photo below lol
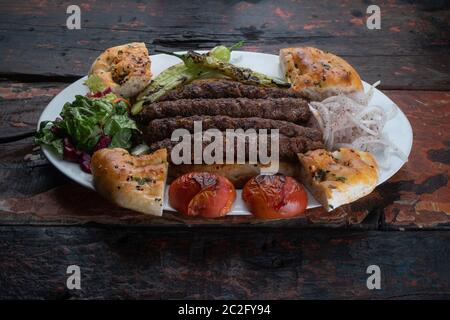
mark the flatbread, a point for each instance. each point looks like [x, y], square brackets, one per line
[339, 177]
[132, 182]
[317, 74]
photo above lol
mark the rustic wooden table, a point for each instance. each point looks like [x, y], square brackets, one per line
[48, 223]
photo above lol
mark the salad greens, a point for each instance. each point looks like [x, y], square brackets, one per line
[47, 137]
[88, 124]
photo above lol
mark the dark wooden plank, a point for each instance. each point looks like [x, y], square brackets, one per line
[218, 264]
[21, 105]
[410, 51]
[23, 176]
[419, 195]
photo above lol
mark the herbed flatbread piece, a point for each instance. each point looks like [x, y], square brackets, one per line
[317, 74]
[339, 177]
[126, 69]
[133, 182]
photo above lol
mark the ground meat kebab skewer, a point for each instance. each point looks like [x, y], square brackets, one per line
[160, 129]
[288, 147]
[221, 88]
[287, 109]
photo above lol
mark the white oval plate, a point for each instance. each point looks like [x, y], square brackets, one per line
[398, 129]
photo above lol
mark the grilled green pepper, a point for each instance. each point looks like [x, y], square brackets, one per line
[196, 60]
[195, 65]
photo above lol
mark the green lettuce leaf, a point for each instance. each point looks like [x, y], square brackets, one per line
[85, 120]
[121, 139]
[118, 122]
[45, 136]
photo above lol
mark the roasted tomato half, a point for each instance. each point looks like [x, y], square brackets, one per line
[274, 196]
[202, 194]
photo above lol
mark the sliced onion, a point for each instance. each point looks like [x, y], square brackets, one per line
[347, 122]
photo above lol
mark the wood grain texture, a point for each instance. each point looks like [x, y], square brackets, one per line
[218, 264]
[21, 105]
[410, 51]
[48, 223]
[71, 204]
[416, 197]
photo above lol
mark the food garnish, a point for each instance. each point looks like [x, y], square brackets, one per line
[202, 194]
[274, 197]
[196, 60]
[86, 125]
[166, 81]
[346, 122]
[204, 62]
[224, 53]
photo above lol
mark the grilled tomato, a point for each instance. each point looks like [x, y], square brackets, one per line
[202, 194]
[274, 196]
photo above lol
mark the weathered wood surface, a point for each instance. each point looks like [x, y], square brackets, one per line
[35, 192]
[41, 211]
[219, 264]
[410, 51]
